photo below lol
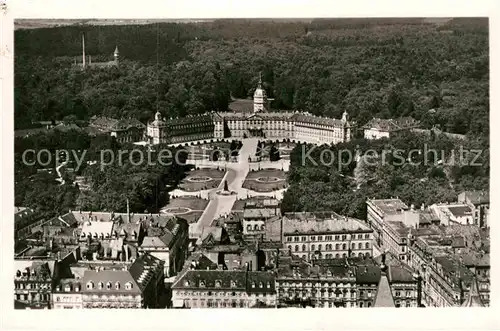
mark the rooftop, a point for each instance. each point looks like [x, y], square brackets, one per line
[390, 125]
[233, 280]
[477, 197]
[132, 278]
[389, 206]
[325, 222]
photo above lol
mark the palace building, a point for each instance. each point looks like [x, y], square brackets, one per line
[261, 122]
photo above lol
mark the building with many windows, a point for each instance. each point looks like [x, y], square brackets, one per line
[479, 203]
[255, 215]
[259, 121]
[138, 285]
[321, 235]
[33, 282]
[389, 219]
[67, 294]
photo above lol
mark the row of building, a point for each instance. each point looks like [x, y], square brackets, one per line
[448, 244]
[258, 257]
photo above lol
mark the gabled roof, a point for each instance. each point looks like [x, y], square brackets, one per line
[473, 298]
[138, 274]
[390, 125]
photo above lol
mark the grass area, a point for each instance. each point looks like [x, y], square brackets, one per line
[266, 180]
[192, 203]
[202, 179]
[196, 205]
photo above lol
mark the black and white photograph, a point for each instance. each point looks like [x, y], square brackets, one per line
[267, 163]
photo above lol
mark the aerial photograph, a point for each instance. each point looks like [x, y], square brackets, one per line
[251, 163]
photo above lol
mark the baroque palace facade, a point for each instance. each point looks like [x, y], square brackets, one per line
[257, 122]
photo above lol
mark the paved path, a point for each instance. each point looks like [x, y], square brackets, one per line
[220, 205]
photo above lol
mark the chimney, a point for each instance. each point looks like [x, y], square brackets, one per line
[126, 253]
[418, 277]
[83, 50]
[128, 210]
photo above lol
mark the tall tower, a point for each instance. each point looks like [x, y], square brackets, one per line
[116, 55]
[83, 50]
[259, 97]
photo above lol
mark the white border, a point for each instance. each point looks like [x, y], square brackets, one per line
[289, 319]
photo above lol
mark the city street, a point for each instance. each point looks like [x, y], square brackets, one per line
[235, 176]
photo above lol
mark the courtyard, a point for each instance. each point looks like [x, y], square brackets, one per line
[202, 179]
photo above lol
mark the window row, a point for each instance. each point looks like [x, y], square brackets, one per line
[109, 285]
[256, 227]
[328, 238]
[329, 247]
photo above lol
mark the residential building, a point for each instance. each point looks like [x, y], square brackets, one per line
[255, 119]
[378, 128]
[24, 220]
[390, 220]
[300, 283]
[321, 235]
[255, 215]
[168, 240]
[454, 213]
[125, 130]
[446, 280]
[67, 294]
[33, 282]
[138, 285]
[223, 289]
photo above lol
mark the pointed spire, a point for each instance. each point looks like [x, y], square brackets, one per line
[116, 51]
[260, 79]
[384, 296]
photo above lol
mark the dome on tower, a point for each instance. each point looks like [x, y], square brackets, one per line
[158, 116]
[259, 92]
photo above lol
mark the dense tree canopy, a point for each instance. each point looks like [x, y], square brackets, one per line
[335, 180]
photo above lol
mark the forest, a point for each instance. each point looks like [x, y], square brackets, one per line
[436, 73]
